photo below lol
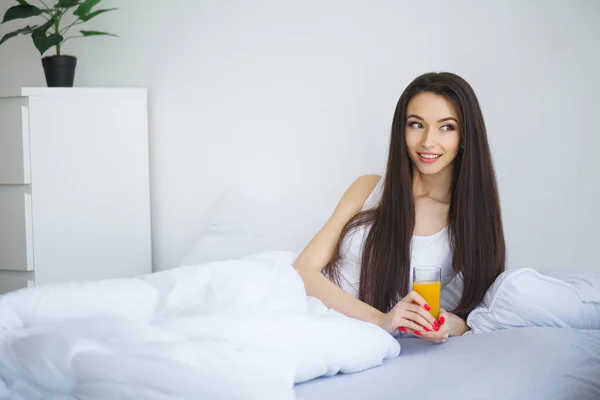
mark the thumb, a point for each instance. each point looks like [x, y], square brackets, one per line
[443, 316]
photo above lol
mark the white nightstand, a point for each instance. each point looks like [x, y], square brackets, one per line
[74, 185]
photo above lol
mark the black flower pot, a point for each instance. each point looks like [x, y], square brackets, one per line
[59, 70]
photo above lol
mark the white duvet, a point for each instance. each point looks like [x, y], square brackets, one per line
[225, 330]
[240, 329]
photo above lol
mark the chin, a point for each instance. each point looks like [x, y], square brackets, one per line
[430, 171]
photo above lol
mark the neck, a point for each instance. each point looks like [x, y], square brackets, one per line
[435, 186]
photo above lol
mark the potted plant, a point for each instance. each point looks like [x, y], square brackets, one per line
[59, 69]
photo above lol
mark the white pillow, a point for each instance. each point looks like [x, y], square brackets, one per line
[251, 219]
[526, 298]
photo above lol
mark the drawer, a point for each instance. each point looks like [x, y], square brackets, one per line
[14, 141]
[10, 281]
[16, 228]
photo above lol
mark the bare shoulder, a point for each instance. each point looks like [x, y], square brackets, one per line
[356, 194]
[365, 184]
[320, 249]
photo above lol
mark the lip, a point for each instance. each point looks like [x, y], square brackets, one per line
[428, 160]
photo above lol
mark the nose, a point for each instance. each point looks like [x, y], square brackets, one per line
[428, 140]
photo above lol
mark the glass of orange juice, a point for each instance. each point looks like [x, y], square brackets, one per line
[427, 281]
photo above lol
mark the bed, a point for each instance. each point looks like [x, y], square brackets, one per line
[234, 322]
[245, 330]
[523, 363]
[507, 356]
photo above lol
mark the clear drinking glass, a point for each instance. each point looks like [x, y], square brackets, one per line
[427, 281]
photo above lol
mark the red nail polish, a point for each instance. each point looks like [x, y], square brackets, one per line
[418, 333]
[436, 328]
[426, 306]
[436, 324]
[442, 320]
[402, 329]
[426, 330]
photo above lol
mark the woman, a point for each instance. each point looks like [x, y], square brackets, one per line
[437, 203]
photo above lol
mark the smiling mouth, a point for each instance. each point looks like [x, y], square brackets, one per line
[428, 157]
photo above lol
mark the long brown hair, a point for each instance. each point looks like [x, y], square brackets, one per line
[474, 219]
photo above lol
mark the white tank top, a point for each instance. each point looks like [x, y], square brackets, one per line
[425, 250]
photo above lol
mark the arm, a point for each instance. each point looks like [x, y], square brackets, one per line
[319, 251]
[410, 313]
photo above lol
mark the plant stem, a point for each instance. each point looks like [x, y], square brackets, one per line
[65, 30]
[72, 37]
[47, 9]
[59, 14]
[57, 30]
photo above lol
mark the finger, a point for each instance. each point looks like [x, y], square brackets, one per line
[434, 336]
[410, 312]
[428, 336]
[442, 333]
[444, 338]
[431, 321]
[443, 316]
[437, 340]
[417, 298]
[441, 341]
[420, 320]
[409, 325]
[417, 332]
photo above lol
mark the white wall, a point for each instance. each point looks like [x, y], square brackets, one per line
[302, 96]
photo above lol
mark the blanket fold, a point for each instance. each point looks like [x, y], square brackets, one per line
[240, 329]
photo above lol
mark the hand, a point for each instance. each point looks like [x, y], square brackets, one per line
[407, 316]
[436, 336]
[450, 325]
[458, 326]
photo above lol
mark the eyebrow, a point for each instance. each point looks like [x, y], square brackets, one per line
[441, 120]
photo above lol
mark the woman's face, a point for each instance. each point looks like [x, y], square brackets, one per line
[432, 133]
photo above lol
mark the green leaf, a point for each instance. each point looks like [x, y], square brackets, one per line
[42, 41]
[21, 11]
[22, 2]
[67, 3]
[86, 7]
[87, 17]
[97, 33]
[27, 29]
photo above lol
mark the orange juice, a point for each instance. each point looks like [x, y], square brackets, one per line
[431, 292]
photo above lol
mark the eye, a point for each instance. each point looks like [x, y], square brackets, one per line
[415, 125]
[448, 128]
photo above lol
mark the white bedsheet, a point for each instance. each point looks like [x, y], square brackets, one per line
[226, 330]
